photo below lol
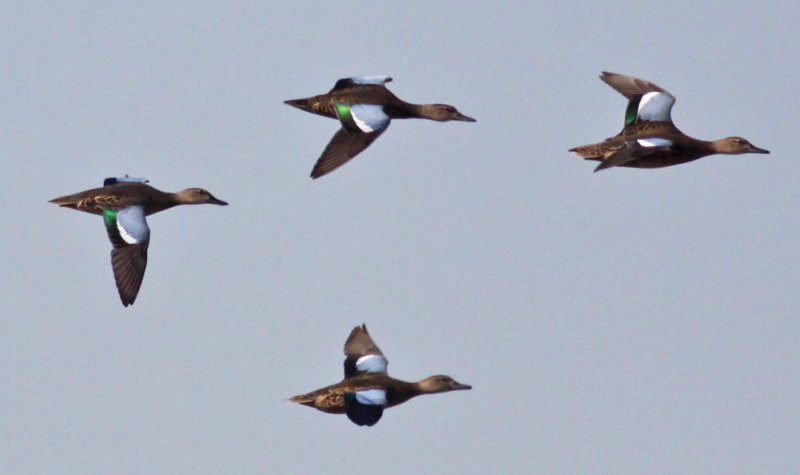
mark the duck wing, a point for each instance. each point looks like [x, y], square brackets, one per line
[647, 102]
[361, 125]
[634, 150]
[345, 83]
[114, 180]
[362, 354]
[129, 235]
[365, 408]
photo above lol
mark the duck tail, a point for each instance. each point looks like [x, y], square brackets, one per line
[302, 104]
[589, 152]
[304, 399]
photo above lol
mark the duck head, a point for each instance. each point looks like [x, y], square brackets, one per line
[440, 384]
[443, 113]
[736, 146]
[197, 196]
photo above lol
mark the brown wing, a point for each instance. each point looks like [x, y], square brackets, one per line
[359, 343]
[626, 154]
[635, 150]
[129, 253]
[362, 354]
[343, 146]
[129, 262]
[649, 129]
[629, 86]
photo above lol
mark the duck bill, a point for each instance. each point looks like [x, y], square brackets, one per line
[464, 118]
[215, 201]
[754, 149]
[462, 386]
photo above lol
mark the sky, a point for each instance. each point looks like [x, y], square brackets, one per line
[629, 321]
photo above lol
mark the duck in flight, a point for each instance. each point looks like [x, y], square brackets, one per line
[648, 138]
[124, 203]
[364, 106]
[367, 389]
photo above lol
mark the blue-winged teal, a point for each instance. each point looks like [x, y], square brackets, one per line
[649, 139]
[366, 388]
[364, 107]
[124, 202]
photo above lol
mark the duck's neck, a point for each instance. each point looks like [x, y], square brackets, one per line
[402, 391]
[407, 110]
[715, 146]
[159, 201]
[700, 148]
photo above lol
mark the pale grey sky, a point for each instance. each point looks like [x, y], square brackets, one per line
[629, 321]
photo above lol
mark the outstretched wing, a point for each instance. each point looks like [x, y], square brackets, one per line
[646, 100]
[363, 355]
[124, 179]
[634, 150]
[129, 235]
[360, 80]
[361, 125]
[365, 408]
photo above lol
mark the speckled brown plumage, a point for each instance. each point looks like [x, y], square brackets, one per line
[349, 142]
[636, 144]
[129, 258]
[333, 399]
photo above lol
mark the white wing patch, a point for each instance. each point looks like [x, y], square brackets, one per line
[132, 179]
[369, 117]
[125, 236]
[132, 226]
[655, 107]
[654, 142]
[379, 80]
[372, 364]
[372, 397]
[362, 125]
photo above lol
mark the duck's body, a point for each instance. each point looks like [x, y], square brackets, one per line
[331, 399]
[124, 203]
[323, 104]
[365, 107]
[366, 388]
[649, 139]
[122, 195]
